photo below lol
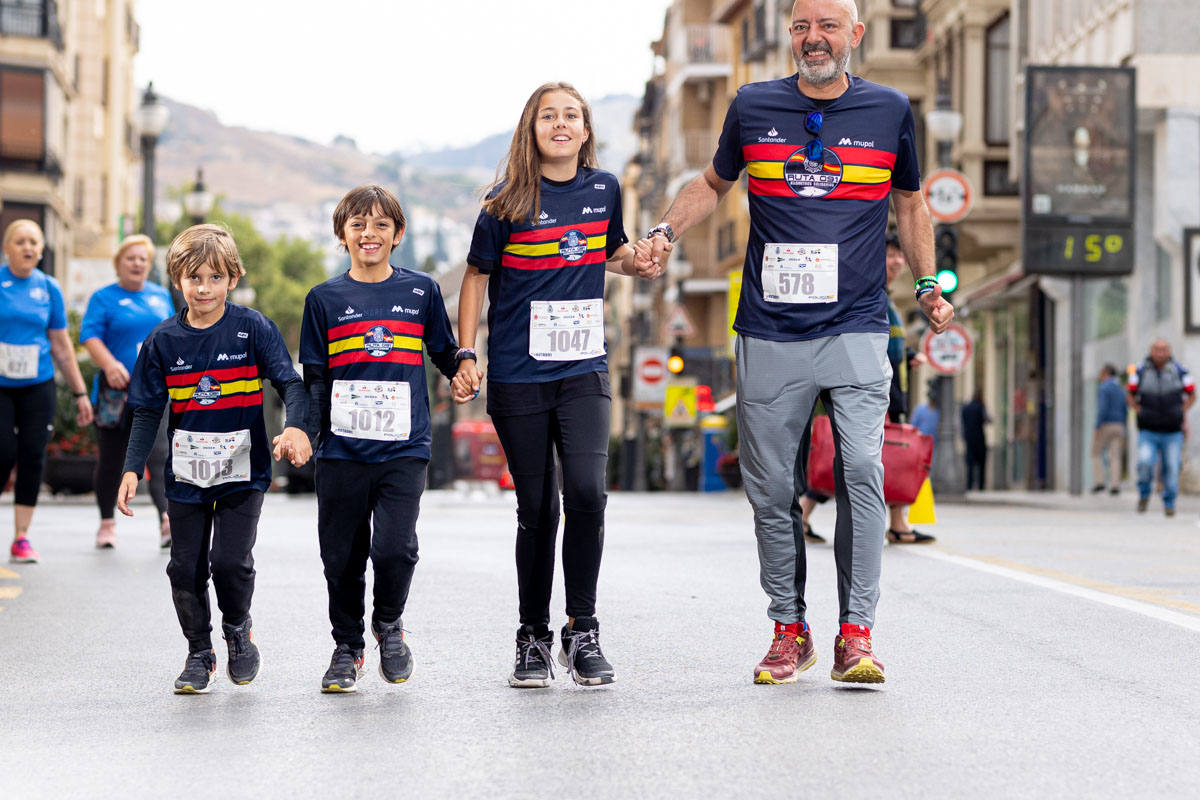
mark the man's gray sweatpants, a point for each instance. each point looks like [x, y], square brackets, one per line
[778, 384]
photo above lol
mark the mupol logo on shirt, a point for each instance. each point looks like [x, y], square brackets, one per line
[225, 357]
[403, 310]
[598, 210]
[848, 142]
[208, 391]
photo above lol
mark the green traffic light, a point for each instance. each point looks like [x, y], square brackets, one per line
[948, 280]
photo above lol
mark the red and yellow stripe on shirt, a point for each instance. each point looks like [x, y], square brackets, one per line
[234, 387]
[542, 248]
[355, 342]
[866, 173]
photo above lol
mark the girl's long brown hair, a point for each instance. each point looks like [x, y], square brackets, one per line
[518, 179]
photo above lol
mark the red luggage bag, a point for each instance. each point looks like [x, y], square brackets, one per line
[907, 454]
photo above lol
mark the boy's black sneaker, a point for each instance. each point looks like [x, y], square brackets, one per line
[344, 669]
[197, 673]
[581, 653]
[244, 659]
[533, 668]
[395, 659]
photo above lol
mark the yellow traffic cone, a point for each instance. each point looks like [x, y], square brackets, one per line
[921, 511]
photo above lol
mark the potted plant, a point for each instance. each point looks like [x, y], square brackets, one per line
[71, 453]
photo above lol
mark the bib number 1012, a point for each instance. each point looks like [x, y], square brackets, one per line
[368, 419]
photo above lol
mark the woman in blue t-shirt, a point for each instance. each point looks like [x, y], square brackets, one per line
[33, 340]
[548, 230]
[119, 316]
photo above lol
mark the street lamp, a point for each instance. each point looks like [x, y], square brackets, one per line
[199, 201]
[944, 124]
[152, 119]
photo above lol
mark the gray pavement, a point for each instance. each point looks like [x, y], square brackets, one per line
[1045, 646]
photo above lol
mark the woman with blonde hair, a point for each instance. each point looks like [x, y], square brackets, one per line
[118, 318]
[33, 341]
[549, 229]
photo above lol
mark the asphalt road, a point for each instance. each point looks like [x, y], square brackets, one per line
[1044, 647]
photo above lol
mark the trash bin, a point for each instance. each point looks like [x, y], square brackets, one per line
[712, 436]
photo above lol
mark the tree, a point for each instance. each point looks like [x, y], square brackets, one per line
[279, 272]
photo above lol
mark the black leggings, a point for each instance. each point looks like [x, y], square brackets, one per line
[217, 537]
[578, 430]
[111, 461]
[26, 418]
[367, 510]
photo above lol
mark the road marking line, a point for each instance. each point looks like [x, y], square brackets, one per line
[8, 573]
[9, 592]
[1108, 594]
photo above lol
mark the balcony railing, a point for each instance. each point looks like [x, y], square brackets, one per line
[698, 148]
[702, 44]
[36, 18]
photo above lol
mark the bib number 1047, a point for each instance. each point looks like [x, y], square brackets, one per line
[567, 341]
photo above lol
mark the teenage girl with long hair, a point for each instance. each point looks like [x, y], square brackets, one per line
[550, 227]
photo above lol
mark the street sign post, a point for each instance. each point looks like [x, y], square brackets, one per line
[948, 194]
[649, 377]
[948, 352]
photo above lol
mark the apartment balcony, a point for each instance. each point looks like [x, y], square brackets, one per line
[699, 52]
[698, 148]
[37, 20]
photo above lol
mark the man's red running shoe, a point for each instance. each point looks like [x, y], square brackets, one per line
[791, 653]
[853, 661]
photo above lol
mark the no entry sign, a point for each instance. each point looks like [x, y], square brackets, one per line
[948, 194]
[949, 351]
[649, 377]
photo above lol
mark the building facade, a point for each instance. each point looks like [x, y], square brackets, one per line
[68, 148]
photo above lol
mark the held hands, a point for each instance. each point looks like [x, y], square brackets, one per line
[937, 309]
[293, 444]
[464, 386]
[650, 256]
[126, 491]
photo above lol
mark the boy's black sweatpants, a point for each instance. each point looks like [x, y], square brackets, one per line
[367, 510]
[218, 536]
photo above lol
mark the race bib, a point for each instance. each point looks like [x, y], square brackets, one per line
[210, 459]
[18, 361]
[379, 410]
[566, 330]
[800, 273]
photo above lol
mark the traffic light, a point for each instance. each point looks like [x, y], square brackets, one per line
[946, 245]
[675, 360]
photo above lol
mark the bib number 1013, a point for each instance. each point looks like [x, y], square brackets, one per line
[205, 470]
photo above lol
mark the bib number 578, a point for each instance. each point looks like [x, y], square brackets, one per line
[804, 283]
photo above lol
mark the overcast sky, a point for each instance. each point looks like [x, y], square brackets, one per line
[392, 74]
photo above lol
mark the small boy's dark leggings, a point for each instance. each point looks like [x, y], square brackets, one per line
[367, 510]
[231, 526]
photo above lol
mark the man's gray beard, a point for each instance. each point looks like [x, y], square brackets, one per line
[818, 77]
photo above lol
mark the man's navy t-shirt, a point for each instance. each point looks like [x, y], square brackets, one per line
[869, 148]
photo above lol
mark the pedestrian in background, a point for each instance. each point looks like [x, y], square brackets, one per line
[974, 417]
[361, 346]
[206, 366]
[1108, 440]
[549, 229]
[118, 318]
[812, 316]
[1160, 392]
[33, 340]
[926, 416]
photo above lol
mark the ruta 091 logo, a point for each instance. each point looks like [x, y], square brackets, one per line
[378, 341]
[572, 246]
[810, 177]
[208, 391]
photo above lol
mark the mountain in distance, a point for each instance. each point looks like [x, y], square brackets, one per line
[289, 185]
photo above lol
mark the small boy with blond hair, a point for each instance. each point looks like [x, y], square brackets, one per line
[206, 365]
